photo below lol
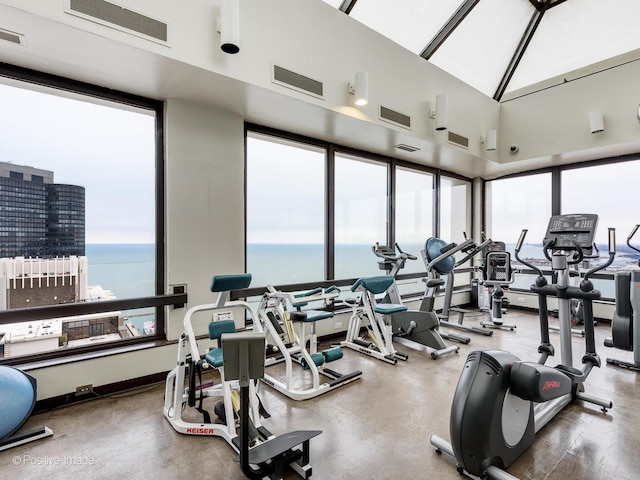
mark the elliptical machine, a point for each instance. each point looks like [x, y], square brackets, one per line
[625, 325]
[413, 328]
[500, 401]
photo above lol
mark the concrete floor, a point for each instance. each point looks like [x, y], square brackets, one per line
[377, 427]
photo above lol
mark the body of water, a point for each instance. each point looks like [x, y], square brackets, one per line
[128, 270]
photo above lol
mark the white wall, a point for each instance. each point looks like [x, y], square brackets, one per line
[552, 122]
[308, 37]
[205, 200]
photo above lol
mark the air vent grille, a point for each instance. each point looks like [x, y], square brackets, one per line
[110, 14]
[8, 36]
[296, 81]
[406, 148]
[393, 116]
[457, 139]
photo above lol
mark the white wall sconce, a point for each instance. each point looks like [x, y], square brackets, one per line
[596, 121]
[440, 112]
[229, 26]
[490, 141]
[360, 88]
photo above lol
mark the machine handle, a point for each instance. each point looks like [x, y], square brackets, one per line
[406, 255]
[523, 234]
[612, 255]
[521, 240]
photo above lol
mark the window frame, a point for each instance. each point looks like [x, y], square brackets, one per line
[556, 198]
[392, 163]
[160, 300]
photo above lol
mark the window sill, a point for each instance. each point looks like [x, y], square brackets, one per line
[83, 356]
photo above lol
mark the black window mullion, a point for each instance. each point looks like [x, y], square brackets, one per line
[330, 224]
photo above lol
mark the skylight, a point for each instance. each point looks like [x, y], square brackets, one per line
[500, 46]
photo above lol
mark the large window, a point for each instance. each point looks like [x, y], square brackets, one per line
[315, 210]
[455, 217]
[606, 190]
[78, 210]
[455, 209]
[285, 211]
[514, 204]
[360, 215]
[413, 213]
[518, 203]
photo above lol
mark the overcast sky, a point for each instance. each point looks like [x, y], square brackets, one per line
[109, 151]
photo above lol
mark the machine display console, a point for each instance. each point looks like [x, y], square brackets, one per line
[567, 229]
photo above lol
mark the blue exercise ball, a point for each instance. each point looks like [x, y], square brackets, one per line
[433, 247]
[17, 399]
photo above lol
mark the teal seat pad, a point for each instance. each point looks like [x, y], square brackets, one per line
[374, 285]
[389, 308]
[214, 357]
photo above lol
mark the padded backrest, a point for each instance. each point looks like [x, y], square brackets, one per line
[216, 329]
[433, 248]
[225, 283]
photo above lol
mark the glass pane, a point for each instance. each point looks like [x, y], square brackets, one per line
[285, 211]
[414, 214]
[517, 203]
[360, 215]
[455, 209]
[573, 35]
[481, 47]
[73, 227]
[605, 190]
[410, 23]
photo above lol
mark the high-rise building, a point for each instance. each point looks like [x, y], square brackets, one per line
[39, 218]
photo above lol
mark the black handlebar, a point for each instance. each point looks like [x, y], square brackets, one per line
[406, 255]
[387, 256]
[577, 256]
[521, 240]
[633, 232]
[523, 234]
[612, 255]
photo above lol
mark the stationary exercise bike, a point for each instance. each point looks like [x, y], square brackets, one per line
[625, 325]
[500, 401]
[439, 261]
[413, 328]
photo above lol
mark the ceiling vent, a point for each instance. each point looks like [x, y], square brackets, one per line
[458, 140]
[397, 118]
[406, 148]
[12, 37]
[120, 18]
[290, 79]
